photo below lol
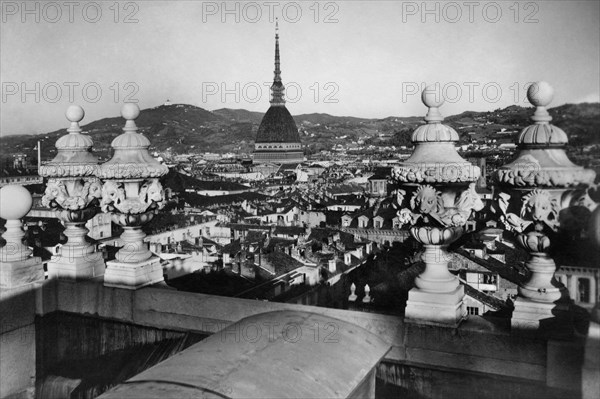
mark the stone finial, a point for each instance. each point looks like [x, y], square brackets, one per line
[352, 297]
[131, 159]
[130, 112]
[73, 158]
[367, 298]
[541, 133]
[540, 95]
[74, 140]
[542, 160]
[15, 202]
[433, 99]
[434, 130]
[75, 115]
[17, 266]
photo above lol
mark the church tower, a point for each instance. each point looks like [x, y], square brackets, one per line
[277, 139]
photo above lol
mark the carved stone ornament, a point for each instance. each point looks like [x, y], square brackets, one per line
[436, 197]
[542, 161]
[74, 192]
[432, 173]
[151, 197]
[133, 194]
[82, 194]
[131, 159]
[73, 158]
[541, 192]
[428, 206]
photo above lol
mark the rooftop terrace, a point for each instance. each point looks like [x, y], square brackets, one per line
[266, 349]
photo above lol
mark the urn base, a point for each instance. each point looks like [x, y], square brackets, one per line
[445, 308]
[132, 276]
[65, 268]
[540, 317]
[17, 273]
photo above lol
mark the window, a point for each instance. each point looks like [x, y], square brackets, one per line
[472, 310]
[489, 279]
[583, 290]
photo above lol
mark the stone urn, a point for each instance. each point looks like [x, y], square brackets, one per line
[436, 197]
[132, 194]
[74, 192]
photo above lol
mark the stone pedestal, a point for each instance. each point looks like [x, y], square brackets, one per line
[555, 318]
[445, 308]
[438, 296]
[77, 259]
[76, 268]
[17, 273]
[133, 275]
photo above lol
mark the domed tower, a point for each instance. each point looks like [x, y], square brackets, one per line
[277, 139]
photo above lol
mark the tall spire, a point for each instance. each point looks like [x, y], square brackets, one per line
[277, 88]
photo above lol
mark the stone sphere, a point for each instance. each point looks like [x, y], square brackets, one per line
[540, 94]
[432, 96]
[15, 202]
[130, 111]
[75, 113]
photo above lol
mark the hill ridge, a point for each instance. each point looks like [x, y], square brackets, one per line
[184, 128]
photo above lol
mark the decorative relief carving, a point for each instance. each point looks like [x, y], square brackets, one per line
[426, 200]
[131, 170]
[436, 173]
[511, 221]
[529, 177]
[80, 196]
[152, 193]
[150, 197]
[540, 206]
[67, 170]
[426, 205]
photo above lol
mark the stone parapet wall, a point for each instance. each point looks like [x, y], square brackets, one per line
[477, 346]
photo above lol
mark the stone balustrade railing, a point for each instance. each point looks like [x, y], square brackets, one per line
[127, 186]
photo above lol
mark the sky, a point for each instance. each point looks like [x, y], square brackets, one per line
[346, 58]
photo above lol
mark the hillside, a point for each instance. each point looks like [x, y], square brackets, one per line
[181, 128]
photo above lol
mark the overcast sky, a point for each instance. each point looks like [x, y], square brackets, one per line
[356, 58]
